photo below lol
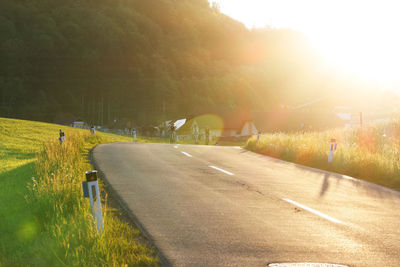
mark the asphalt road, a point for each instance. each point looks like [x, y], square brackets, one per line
[225, 206]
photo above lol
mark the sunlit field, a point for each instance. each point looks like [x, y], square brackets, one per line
[371, 153]
[46, 221]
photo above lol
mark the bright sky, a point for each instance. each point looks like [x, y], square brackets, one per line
[357, 36]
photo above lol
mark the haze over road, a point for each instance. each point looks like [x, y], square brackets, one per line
[225, 206]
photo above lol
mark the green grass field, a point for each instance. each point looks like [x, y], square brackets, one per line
[46, 221]
[371, 153]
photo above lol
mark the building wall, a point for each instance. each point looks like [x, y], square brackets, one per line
[248, 129]
[79, 124]
[214, 134]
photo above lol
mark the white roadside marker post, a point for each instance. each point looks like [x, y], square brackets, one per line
[332, 149]
[92, 130]
[62, 137]
[91, 190]
[134, 135]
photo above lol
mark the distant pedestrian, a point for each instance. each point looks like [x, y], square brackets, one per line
[62, 137]
[258, 136]
[134, 135]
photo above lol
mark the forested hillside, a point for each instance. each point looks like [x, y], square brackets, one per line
[144, 60]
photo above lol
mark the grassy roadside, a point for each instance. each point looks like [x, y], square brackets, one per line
[47, 222]
[371, 153]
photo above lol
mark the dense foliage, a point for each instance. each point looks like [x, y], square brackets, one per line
[144, 60]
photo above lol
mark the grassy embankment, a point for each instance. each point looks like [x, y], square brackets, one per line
[371, 153]
[47, 222]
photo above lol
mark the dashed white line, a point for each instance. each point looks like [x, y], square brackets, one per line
[221, 170]
[327, 217]
[187, 154]
[175, 146]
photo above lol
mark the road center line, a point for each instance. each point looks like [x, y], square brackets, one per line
[221, 170]
[187, 154]
[175, 146]
[327, 217]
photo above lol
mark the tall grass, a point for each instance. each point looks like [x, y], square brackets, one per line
[46, 221]
[371, 153]
[65, 214]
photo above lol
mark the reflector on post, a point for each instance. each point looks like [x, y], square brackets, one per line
[332, 149]
[92, 188]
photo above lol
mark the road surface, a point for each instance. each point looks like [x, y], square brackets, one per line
[225, 206]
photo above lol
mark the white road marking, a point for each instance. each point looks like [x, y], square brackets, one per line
[187, 154]
[175, 146]
[327, 217]
[221, 170]
[304, 264]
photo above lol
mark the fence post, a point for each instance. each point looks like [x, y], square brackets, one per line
[332, 149]
[91, 190]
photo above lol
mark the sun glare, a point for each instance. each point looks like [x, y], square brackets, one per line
[360, 37]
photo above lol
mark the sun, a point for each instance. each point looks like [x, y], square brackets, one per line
[360, 37]
[362, 40]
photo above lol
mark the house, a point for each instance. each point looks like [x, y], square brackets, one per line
[238, 124]
[179, 123]
[198, 125]
[228, 124]
[165, 127]
[79, 124]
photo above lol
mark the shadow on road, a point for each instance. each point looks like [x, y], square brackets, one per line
[325, 185]
[368, 188]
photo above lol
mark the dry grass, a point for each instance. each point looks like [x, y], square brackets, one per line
[371, 153]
